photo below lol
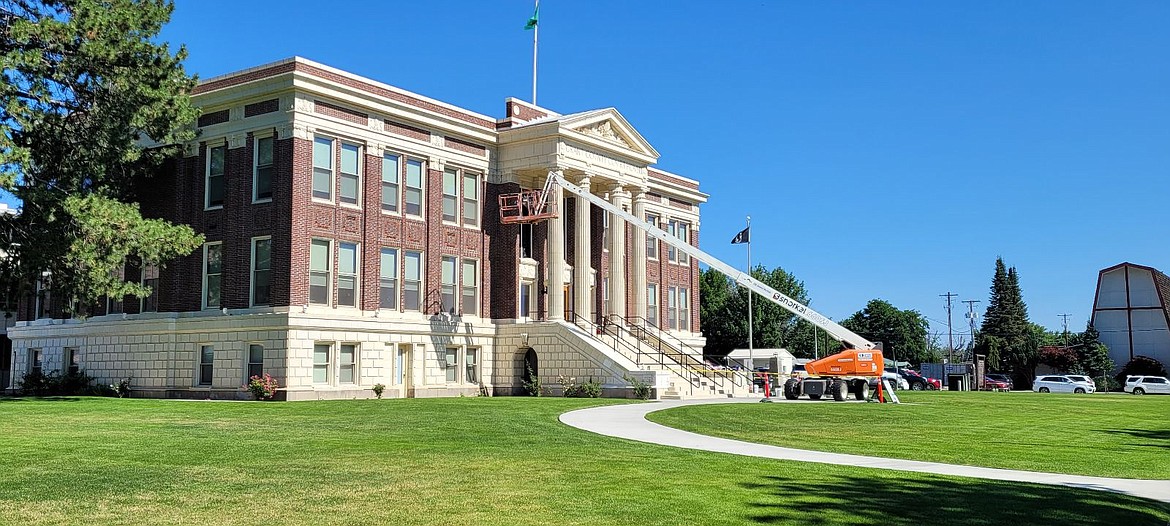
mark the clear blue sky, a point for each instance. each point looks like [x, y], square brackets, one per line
[883, 149]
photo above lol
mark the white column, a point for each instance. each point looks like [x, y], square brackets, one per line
[555, 266]
[582, 256]
[638, 257]
[617, 254]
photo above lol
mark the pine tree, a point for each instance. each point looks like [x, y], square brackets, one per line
[1006, 337]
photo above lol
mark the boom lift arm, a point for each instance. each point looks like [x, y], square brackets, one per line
[850, 338]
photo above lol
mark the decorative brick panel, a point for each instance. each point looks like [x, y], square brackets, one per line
[345, 114]
[260, 108]
[406, 131]
[236, 80]
[655, 174]
[215, 117]
[464, 146]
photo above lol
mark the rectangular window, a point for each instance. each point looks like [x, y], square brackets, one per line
[321, 363]
[347, 369]
[262, 170]
[215, 170]
[447, 284]
[323, 168]
[525, 299]
[451, 363]
[388, 280]
[450, 194]
[347, 279]
[72, 360]
[206, 361]
[651, 242]
[671, 307]
[212, 271]
[605, 308]
[680, 230]
[471, 366]
[606, 232]
[470, 288]
[351, 180]
[391, 170]
[412, 281]
[652, 304]
[255, 360]
[414, 187]
[114, 305]
[526, 240]
[684, 310]
[261, 270]
[470, 199]
[150, 280]
[35, 361]
[319, 275]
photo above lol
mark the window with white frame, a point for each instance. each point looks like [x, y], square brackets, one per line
[350, 174]
[206, 364]
[36, 361]
[323, 168]
[526, 288]
[114, 303]
[72, 360]
[470, 289]
[347, 277]
[255, 360]
[651, 241]
[319, 272]
[212, 274]
[450, 195]
[321, 372]
[391, 171]
[451, 364]
[261, 270]
[262, 169]
[412, 281]
[470, 199]
[388, 279]
[447, 284]
[681, 230]
[606, 232]
[471, 365]
[652, 304]
[150, 281]
[214, 180]
[414, 188]
[347, 363]
[671, 307]
[684, 310]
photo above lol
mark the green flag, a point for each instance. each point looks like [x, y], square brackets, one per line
[532, 21]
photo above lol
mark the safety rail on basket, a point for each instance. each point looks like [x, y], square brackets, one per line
[528, 206]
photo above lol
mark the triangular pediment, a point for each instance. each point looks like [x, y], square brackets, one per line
[608, 126]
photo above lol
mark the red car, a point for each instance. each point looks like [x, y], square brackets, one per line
[991, 384]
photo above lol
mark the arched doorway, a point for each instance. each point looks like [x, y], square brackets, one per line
[530, 367]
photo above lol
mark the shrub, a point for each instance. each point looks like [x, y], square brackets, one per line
[122, 388]
[40, 384]
[378, 389]
[570, 388]
[262, 387]
[641, 389]
[36, 383]
[1106, 383]
[1141, 366]
[532, 383]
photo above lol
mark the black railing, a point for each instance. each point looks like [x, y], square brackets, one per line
[633, 351]
[679, 351]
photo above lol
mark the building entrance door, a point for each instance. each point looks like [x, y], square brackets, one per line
[402, 369]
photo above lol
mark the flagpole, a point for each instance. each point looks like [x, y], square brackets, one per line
[535, 35]
[751, 349]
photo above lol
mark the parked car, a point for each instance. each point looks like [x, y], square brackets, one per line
[895, 380]
[1061, 384]
[1081, 378]
[1140, 385]
[917, 382]
[1000, 378]
[992, 384]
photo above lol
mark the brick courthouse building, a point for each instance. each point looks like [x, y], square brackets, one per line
[353, 237]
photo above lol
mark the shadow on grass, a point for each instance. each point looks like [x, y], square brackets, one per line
[930, 500]
[39, 399]
[1154, 435]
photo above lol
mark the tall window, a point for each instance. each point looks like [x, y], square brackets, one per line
[350, 174]
[35, 361]
[323, 168]
[450, 194]
[684, 310]
[262, 170]
[72, 360]
[412, 281]
[414, 187]
[255, 360]
[526, 240]
[447, 284]
[671, 307]
[605, 307]
[451, 363]
[215, 169]
[470, 199]
[470, 288]
[526, 299]
[261, 270]
[319, 276]
[388, 280]
[391, 170]
[471, 366]
[652, 304]
[347, 255]
[150, 280]
[347, 368]
[321, 363]
[114, 304]
[206, 361]
[651, 242]
[212, 271]
[680, 230]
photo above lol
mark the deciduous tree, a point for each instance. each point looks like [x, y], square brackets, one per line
[901, 331]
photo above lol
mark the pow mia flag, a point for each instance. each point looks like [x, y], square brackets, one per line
[744, 236]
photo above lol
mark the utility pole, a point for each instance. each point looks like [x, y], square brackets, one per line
[950, 331]
[971, 317]
[1065, 318]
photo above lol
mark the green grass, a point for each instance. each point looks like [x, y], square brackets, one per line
[476, 461]
[1105, 435]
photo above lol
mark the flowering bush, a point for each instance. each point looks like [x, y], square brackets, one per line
[262, 387]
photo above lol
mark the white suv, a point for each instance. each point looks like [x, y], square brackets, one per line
[1061, 384]
[1140, 385]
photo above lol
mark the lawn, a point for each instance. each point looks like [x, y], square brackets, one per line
[454, 461]
[1106, 435]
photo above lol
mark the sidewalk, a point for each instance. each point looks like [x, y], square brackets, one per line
[629, 421]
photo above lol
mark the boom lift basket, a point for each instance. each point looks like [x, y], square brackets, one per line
[529, 206]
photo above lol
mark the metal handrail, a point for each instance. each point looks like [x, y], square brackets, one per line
[677, 347]
[661, 359]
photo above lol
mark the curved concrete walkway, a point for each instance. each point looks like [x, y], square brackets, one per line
[629, 421]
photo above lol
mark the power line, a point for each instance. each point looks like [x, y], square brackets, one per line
[950, 330]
